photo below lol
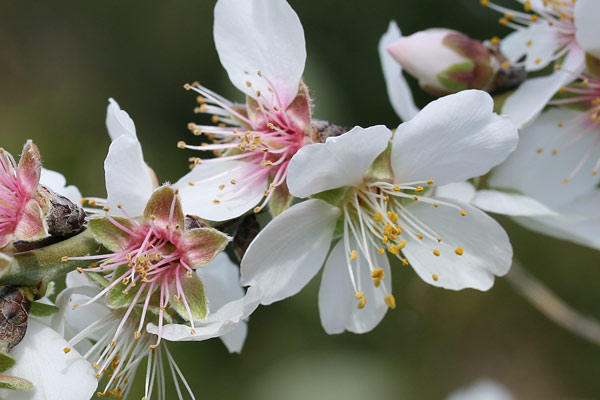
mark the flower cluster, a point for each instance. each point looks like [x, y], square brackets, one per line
[146, 264]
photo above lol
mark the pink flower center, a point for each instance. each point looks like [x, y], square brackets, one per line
[262, 134]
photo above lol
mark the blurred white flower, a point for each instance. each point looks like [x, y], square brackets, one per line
[377, 198]
[483, 389]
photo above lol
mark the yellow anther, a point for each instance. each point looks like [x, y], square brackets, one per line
[378, 273]
[386, 198]
[503, 21]
[181, 144]
[353, 255]
[217, 201]
[540, 150]
[594, 172]
[360, 296]
[200, 100]
[64, 259]
[381, 250]
[405, 262]
[534, 18]
[392, 216]
[419, 188]
[529, 43]
[459, 251]
[560, 124]
[248, 83]
[527, 5]
[538, 60]
[420, 236]
[215, 119]
[435, 277]
[233, 181]
[401, 244]
[396, 188]
[495, 40]
[385, 239]
[187, 86]
[463, 212]
[75, 306]
[554, 152]
[439, 239]
[506, 64]
[80, 270]
[137, 334]
[67, 350]
[430, 182]
[221, 187]
[377, 217]
[485, 2]
[113, 344]
[436, 205]
[257, 210]
[565, 181]
[436, 252]
[390, 300]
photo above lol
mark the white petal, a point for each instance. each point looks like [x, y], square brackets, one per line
[128, 178]
[528, 101]
[538, 43]
[398, 90]
[221, 279]
[540, 175]
[461, 191]
[509, 204]
[56, 375]
[118, 121]
[337, 306]
[578, 222]
[265, 36]
[452, 139]
[225, 320]
[207, 200]
[290, 250]
[486, 249]
[587, 15]
[340, 161]
[57, 182]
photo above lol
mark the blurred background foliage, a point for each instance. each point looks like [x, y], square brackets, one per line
[62, 60]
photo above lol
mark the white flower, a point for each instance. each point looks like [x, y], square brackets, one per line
[379, 200]
[261, 45]
[549, 184]
[545, 33]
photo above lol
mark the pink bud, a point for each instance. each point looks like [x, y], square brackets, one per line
[444, 61]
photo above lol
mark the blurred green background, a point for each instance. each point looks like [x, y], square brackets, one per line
[62, 60]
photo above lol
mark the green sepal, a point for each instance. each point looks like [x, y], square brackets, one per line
[280, 200]
[193, 288]
[42, 309]
[381, 169]
[6, 361]
[449, 78]
[15, 383]
[109, 235]
[97, 280]
[500, 99]
[335, 197]
[116, 298]
[593, 65]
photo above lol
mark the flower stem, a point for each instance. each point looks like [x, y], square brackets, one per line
[552, 306]
[40, 266]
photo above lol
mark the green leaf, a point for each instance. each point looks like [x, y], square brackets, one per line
[42, 309]
[15, 383]
[193, 289]
[6, 361]
[112, 237]
[117, 298]
[280, 200]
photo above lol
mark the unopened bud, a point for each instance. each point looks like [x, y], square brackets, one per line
[444, 61]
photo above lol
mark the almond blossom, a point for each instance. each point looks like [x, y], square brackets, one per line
[261, 45]
[22, 215]
[377, 198]
[547, 32]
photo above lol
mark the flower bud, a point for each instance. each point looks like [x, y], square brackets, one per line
[444, 61]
